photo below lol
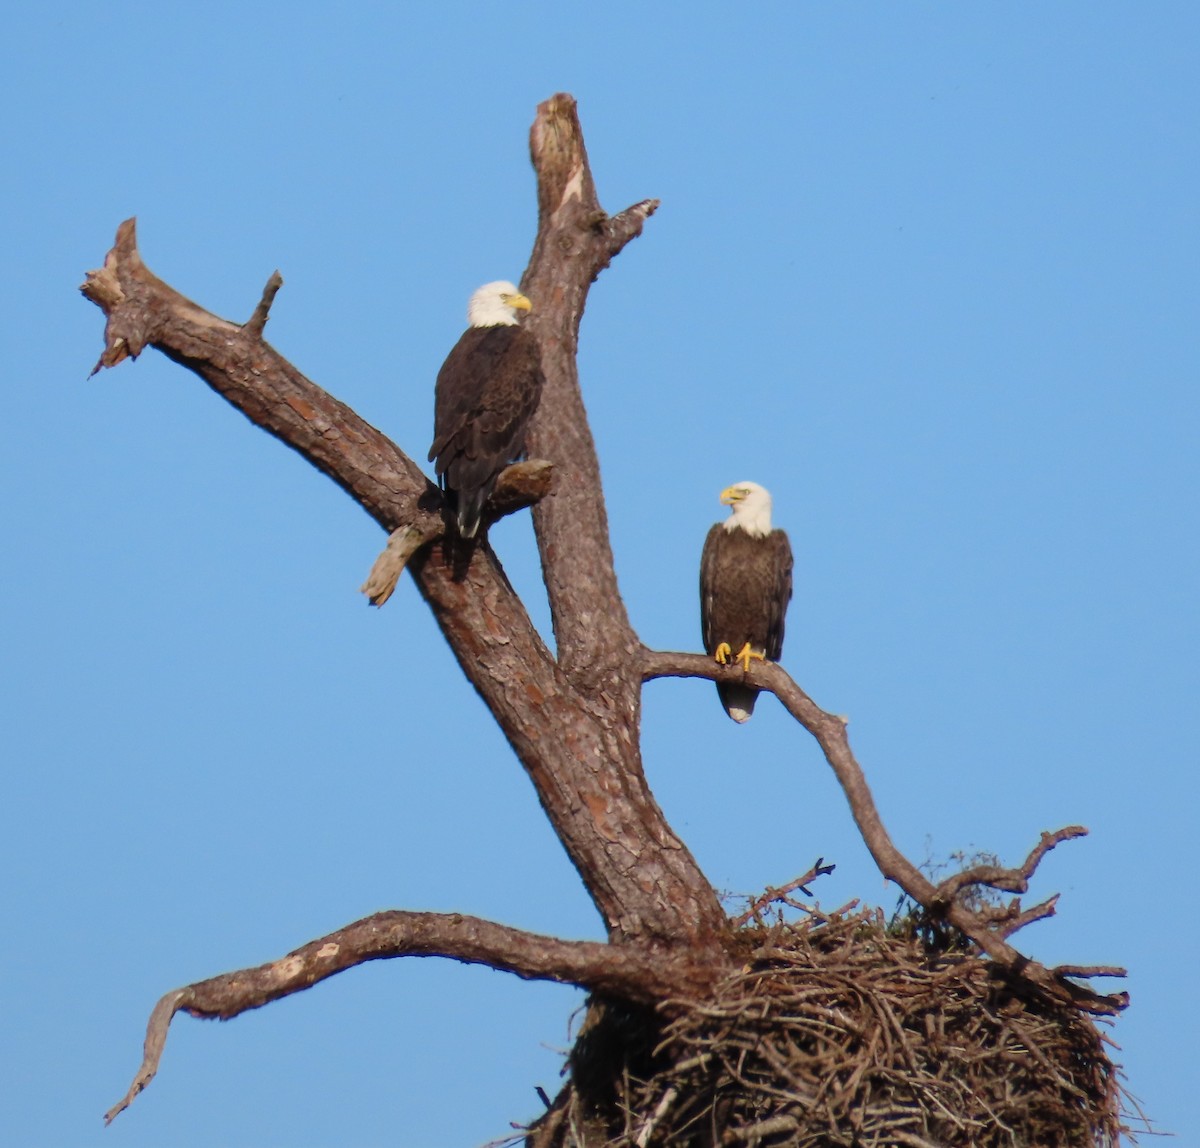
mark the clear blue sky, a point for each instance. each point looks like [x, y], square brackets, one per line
[928, 272]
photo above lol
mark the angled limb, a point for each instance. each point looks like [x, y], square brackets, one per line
[142, 311]
[633, 974]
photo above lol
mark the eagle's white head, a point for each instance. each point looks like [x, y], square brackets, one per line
[496, 305]
[751, 506]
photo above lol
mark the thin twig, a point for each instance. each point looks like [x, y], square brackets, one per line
[819, 869]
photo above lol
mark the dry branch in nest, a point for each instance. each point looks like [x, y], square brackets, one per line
[845, 1033]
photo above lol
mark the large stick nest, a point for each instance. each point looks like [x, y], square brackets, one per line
[844, 1032]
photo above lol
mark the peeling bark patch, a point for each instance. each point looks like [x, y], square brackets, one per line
[574, 188]
[534, 694]
[304, 409]
[328, 951]
[598, 806]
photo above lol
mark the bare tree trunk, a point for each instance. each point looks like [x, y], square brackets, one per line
[574, 720]
[572, 717]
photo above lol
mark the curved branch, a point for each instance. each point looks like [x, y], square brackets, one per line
[1008, 880]
[830, 733]
[643, 975]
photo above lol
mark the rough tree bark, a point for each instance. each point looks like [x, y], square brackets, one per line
[572, 717]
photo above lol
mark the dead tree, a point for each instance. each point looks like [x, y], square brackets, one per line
[673, 956]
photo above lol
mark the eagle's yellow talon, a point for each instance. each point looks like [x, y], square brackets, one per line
[745, 654]
[723, 653]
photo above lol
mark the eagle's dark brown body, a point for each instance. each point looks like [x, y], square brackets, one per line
[745, 586]
[487, 390]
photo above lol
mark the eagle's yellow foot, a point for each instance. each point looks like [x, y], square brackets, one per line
[723, 653]
[745, 654]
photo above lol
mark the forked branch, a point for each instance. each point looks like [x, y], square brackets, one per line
[986, 930]
[1007, 880]
[142, 311]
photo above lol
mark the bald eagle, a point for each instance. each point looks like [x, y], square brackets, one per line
[745, 586]
[487, 390]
